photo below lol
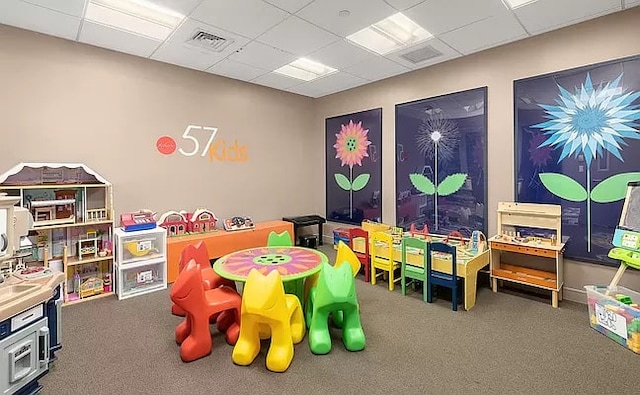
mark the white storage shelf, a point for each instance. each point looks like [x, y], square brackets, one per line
[140, 245]
[141, 261]
[141, 278]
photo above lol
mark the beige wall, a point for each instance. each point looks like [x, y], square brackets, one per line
[62, 101]
[606, 38]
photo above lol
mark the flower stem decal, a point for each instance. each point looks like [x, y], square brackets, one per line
[351, 147]
[588, 122]
[437, 138]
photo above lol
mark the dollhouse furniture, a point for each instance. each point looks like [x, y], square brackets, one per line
[210, 280]
[306, 220]
[382, 257]
[512, 252]
[141, 261]
[413, 273]
[264, 304]
[447, 279]
[222, 243]
[67, 201]
[335, 293]
[200, 304]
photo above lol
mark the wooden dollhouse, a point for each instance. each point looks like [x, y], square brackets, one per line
[72, 206]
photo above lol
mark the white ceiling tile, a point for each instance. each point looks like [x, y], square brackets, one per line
[363, 13]
[291, 6]
[184, 7]
[484, 34]
[239, 71]
[335, 82]
[178, 51]
[249, 18]
[545, 15]
[31, 17]
[401, 5]
[117, 40]
[297, 36]
[71, 7]
[275, 80]
[435, 44]
[340, 54]
[376, 68]
[441, 16]
[264, 56]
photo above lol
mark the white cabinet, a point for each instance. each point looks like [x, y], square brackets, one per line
[141, 261]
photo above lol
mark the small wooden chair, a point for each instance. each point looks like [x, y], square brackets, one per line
[441, 278]
[363, 257]
[414, 272]
[383, 260]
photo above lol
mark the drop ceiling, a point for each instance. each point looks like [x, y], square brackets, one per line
[263, 35]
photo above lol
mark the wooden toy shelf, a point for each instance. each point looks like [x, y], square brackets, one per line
[550, 251]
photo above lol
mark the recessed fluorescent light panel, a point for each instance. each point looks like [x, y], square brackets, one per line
[513, 4]
[305, 69]
[135, 16]
[390, 34]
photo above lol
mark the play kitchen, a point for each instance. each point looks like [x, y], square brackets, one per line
[29, 307]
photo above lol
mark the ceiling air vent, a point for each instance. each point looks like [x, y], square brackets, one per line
[209, 41]
[421, 54]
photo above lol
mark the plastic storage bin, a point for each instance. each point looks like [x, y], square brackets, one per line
[615, 312]
[139, 245]
[142, 278]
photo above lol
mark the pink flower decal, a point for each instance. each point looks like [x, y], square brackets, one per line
[352, 144]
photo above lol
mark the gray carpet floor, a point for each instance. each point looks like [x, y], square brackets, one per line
[507, 344]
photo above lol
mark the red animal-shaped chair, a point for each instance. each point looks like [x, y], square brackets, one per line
[200, 304]
[210, 279]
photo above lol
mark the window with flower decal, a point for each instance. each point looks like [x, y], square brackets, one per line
[354, 167]
[577, 135]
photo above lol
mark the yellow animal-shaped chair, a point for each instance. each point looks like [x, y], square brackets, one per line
[266, 306]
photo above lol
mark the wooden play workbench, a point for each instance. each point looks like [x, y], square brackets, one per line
[221, 242]
[512, 216]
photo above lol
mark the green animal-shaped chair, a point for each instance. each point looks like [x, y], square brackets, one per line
[335, 294]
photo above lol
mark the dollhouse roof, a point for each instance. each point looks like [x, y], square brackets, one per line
[27, 173]
[166, 215]
[200, 211]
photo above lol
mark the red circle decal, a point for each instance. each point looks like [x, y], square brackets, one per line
[166, 145]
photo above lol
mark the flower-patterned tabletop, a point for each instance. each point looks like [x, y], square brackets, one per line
[292, 262]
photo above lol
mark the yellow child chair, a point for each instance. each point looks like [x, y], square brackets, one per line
[266, 306]
[382, 257]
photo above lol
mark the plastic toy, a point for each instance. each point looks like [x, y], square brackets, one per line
[334, 292]
[200, 305]
[179, 223]
[264, 303]
[141, 220]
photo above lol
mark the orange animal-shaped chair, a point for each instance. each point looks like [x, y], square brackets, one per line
[200, 304]
[210, 279]
[266, 306]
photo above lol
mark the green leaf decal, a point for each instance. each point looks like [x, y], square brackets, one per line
[343, 181]
[564, 187]
[360, 181]
[451, 184]
[613, 188]
[422, 183]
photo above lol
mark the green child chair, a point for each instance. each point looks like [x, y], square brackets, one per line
[279, 239]
[414, 245]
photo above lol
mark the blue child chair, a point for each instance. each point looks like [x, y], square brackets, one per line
[449, 280]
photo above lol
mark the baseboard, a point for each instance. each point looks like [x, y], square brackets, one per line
[574, 295]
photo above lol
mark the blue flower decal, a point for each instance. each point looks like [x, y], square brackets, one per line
[591, 120]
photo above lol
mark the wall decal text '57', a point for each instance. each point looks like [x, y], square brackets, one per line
[218, 150]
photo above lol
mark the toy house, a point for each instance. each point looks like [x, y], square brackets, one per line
[174, 222]
[201, 220]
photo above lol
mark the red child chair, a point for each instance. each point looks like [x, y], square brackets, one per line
[200, 305]
[211, 280]
[363, 257]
